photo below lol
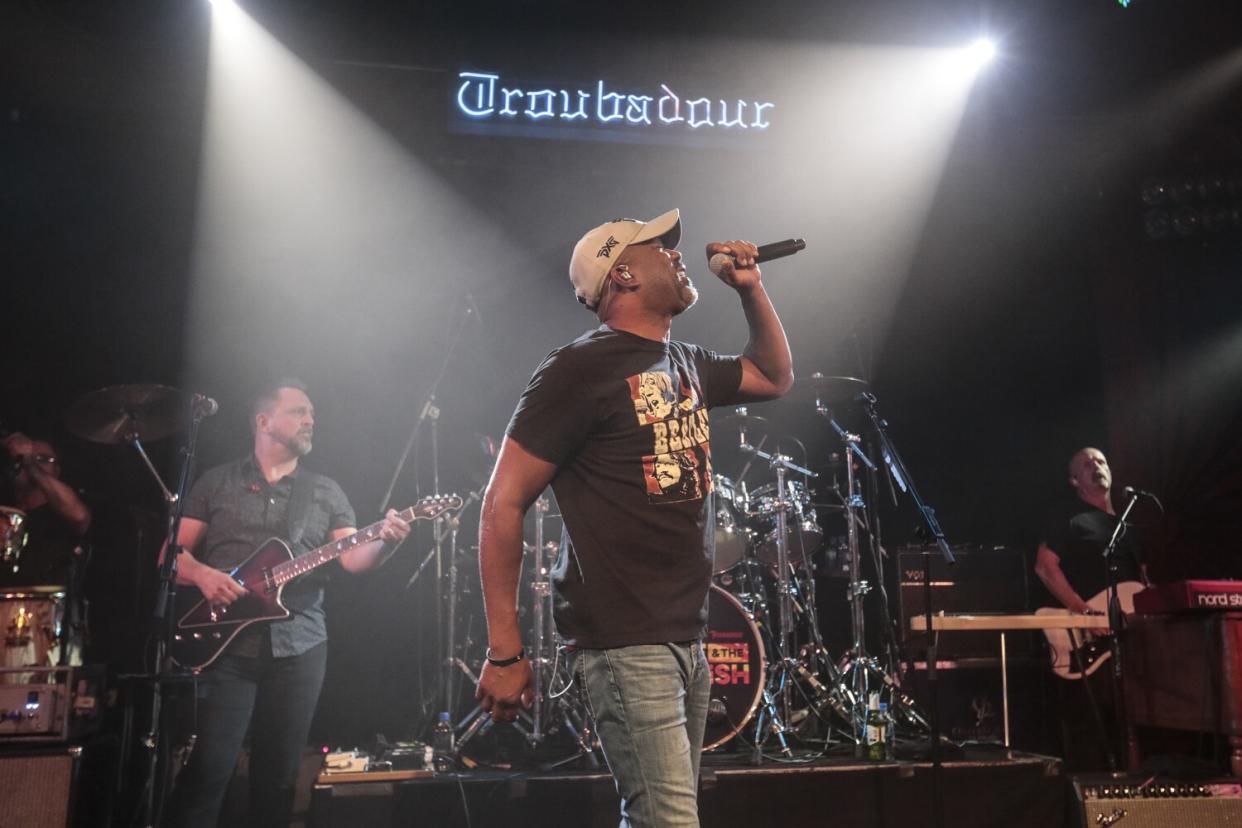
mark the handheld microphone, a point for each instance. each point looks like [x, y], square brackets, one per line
[766, 252]
[1133, 492]
[205, 406]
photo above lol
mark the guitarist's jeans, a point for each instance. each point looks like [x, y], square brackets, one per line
[280, 694]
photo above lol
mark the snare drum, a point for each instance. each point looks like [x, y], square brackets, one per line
[31, 619]
[732, 534]
[803, 533]
[12, 536]
[736, 659]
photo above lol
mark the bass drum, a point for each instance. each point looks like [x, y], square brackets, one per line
[737, 662]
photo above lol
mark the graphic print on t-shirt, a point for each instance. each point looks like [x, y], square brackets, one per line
[680, 465]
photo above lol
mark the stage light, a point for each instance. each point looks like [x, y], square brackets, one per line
[981, 52]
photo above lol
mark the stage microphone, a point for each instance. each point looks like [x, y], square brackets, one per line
[766, 253]
[205, 406]
[716, 711]
[1133, 492]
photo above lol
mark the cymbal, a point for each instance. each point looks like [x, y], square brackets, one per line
[830, 389]
[118, 412]
[739, 420]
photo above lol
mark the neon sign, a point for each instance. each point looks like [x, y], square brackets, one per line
[483, 97]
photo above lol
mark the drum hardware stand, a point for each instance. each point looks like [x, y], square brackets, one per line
[935, 534]
[858, 666]
[546, 668]
[777, 695]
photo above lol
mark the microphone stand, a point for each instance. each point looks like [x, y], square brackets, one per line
[898, 468]
[446, 634]
[1114, 625]
[164, 621]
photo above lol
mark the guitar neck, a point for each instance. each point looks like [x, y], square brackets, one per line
[284, 572]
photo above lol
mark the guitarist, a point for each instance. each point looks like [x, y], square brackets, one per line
[274, 671]
[1070, 562]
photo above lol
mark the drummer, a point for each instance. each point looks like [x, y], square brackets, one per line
[54, 519]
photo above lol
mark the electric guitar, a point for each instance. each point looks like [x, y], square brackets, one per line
[1079, 653]
[204, 630]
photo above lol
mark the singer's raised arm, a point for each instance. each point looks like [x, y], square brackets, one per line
[767, 365]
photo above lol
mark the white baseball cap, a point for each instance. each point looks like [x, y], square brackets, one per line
[597, 251]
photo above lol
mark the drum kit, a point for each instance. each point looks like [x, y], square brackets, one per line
[774, 682]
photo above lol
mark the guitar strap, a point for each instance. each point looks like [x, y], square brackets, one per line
[299, 504]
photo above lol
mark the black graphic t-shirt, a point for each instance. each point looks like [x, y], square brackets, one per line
[625, 420]
[1079, 532]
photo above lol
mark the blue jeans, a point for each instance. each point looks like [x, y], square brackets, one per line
[279, 696]
[650, 707]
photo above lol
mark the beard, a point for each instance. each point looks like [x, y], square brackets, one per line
[688, 294]
[300, 443]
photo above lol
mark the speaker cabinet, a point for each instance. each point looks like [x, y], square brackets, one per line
[1139, 802]
[982, 581]
[65, 786]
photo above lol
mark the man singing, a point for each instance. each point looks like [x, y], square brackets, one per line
[616, 421]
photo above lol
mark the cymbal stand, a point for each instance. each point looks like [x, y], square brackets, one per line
[546, 668]
[859, 665]
[778, 694]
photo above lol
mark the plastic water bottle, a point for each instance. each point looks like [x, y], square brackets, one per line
[442, 742]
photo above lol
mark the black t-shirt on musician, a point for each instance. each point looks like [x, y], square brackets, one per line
[1079, 532]
[624, 419]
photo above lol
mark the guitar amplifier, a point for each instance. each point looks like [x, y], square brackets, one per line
[984, 580]
[1138, 802]
[61, 786]
[52, 704]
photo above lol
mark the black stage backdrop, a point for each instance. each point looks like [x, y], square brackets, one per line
[990, 278]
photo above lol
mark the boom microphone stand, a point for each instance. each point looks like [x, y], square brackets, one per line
[164, 621]
[444, 526]
[1115, 625]
[898, 468]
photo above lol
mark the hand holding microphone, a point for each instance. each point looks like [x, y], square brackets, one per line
[735, 262]
[721, 257]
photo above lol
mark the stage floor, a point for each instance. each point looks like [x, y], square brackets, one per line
[982, 786]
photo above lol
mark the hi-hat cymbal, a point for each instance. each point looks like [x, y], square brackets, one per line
[120, 412]
[830, 389]
[739, 419]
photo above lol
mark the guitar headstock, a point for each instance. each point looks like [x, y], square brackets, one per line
[432, 506]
